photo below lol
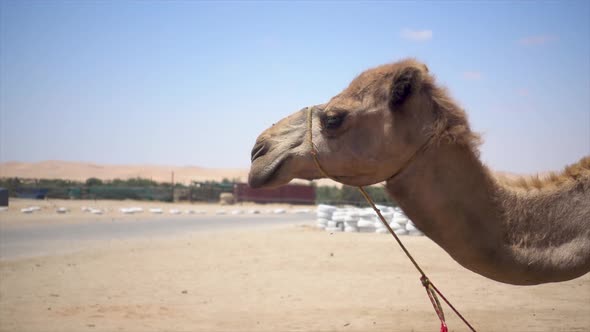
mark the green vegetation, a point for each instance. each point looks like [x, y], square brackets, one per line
[134, 188]
[351, 195]
[146, 189]
[92, 188]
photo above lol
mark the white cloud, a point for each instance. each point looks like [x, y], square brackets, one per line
[472, 75]
[537, 40]
[416, 35]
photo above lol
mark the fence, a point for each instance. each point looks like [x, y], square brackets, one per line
[141, 189]
[117, 189]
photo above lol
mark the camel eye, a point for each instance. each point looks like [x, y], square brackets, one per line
[333, 121]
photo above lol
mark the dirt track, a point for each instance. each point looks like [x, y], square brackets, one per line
[287, 279]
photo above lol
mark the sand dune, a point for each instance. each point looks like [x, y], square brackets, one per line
[80, 171]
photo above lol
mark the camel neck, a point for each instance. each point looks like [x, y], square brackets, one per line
[455, 201]
[448, 194]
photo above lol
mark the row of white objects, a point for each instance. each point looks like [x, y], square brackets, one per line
[134, 210]
[268, 211]
[353, 219]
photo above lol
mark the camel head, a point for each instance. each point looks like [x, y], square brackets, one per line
[363, 135]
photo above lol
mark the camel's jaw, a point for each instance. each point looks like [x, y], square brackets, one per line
[279, 168]
[280, 153]
[268, 172]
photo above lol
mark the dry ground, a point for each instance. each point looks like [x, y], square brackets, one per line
[279, 279]
[111, 208]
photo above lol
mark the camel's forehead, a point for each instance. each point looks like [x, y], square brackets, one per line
[382, 75]
[372, 78]
[373, 84]
[368, 84]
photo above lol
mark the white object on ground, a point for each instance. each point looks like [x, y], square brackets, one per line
[175, 211]
[410, 227]
[366, 222]
[279, 211]
[395, 226]
[325, 215]
[400, 231]
[350, 229]
[95, 211]
[62, 210]
[26, 210]
[236, 212]
[333, 229]
[351, 219]
[388, 216]
[131, 210]
[326, 208]
[339, 216]
[156, 210]
[254, 211]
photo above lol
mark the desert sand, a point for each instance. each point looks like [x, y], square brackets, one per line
[111, 210]
[288, 278]
[81, 171]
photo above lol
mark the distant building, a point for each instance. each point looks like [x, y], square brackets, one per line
[3, 197]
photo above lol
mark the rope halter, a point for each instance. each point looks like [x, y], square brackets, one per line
[431, 289]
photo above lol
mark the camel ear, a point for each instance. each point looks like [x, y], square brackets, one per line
[404, 84]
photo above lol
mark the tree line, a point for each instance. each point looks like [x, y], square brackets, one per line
[147, 189]
[351, 195]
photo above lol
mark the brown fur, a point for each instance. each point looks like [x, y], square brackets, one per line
[402, 127]
[572, 173]
[451, 123]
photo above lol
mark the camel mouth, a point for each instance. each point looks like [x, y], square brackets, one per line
[266, 175]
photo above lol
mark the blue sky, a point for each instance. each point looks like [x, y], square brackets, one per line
[194, 83]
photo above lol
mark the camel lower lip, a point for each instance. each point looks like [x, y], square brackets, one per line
[261, 180]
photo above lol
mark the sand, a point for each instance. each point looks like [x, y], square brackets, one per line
[81, 171]
[111, 209]
[290, 278]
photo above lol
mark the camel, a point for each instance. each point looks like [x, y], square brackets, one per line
[394, 124]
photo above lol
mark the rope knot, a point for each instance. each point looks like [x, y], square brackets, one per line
[425, 281]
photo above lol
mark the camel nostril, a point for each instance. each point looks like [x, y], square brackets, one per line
[259, 150]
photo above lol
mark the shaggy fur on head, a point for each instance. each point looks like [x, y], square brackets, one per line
[451, 121]
[451, 124]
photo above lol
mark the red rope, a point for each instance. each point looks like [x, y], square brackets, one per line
[435, 303]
